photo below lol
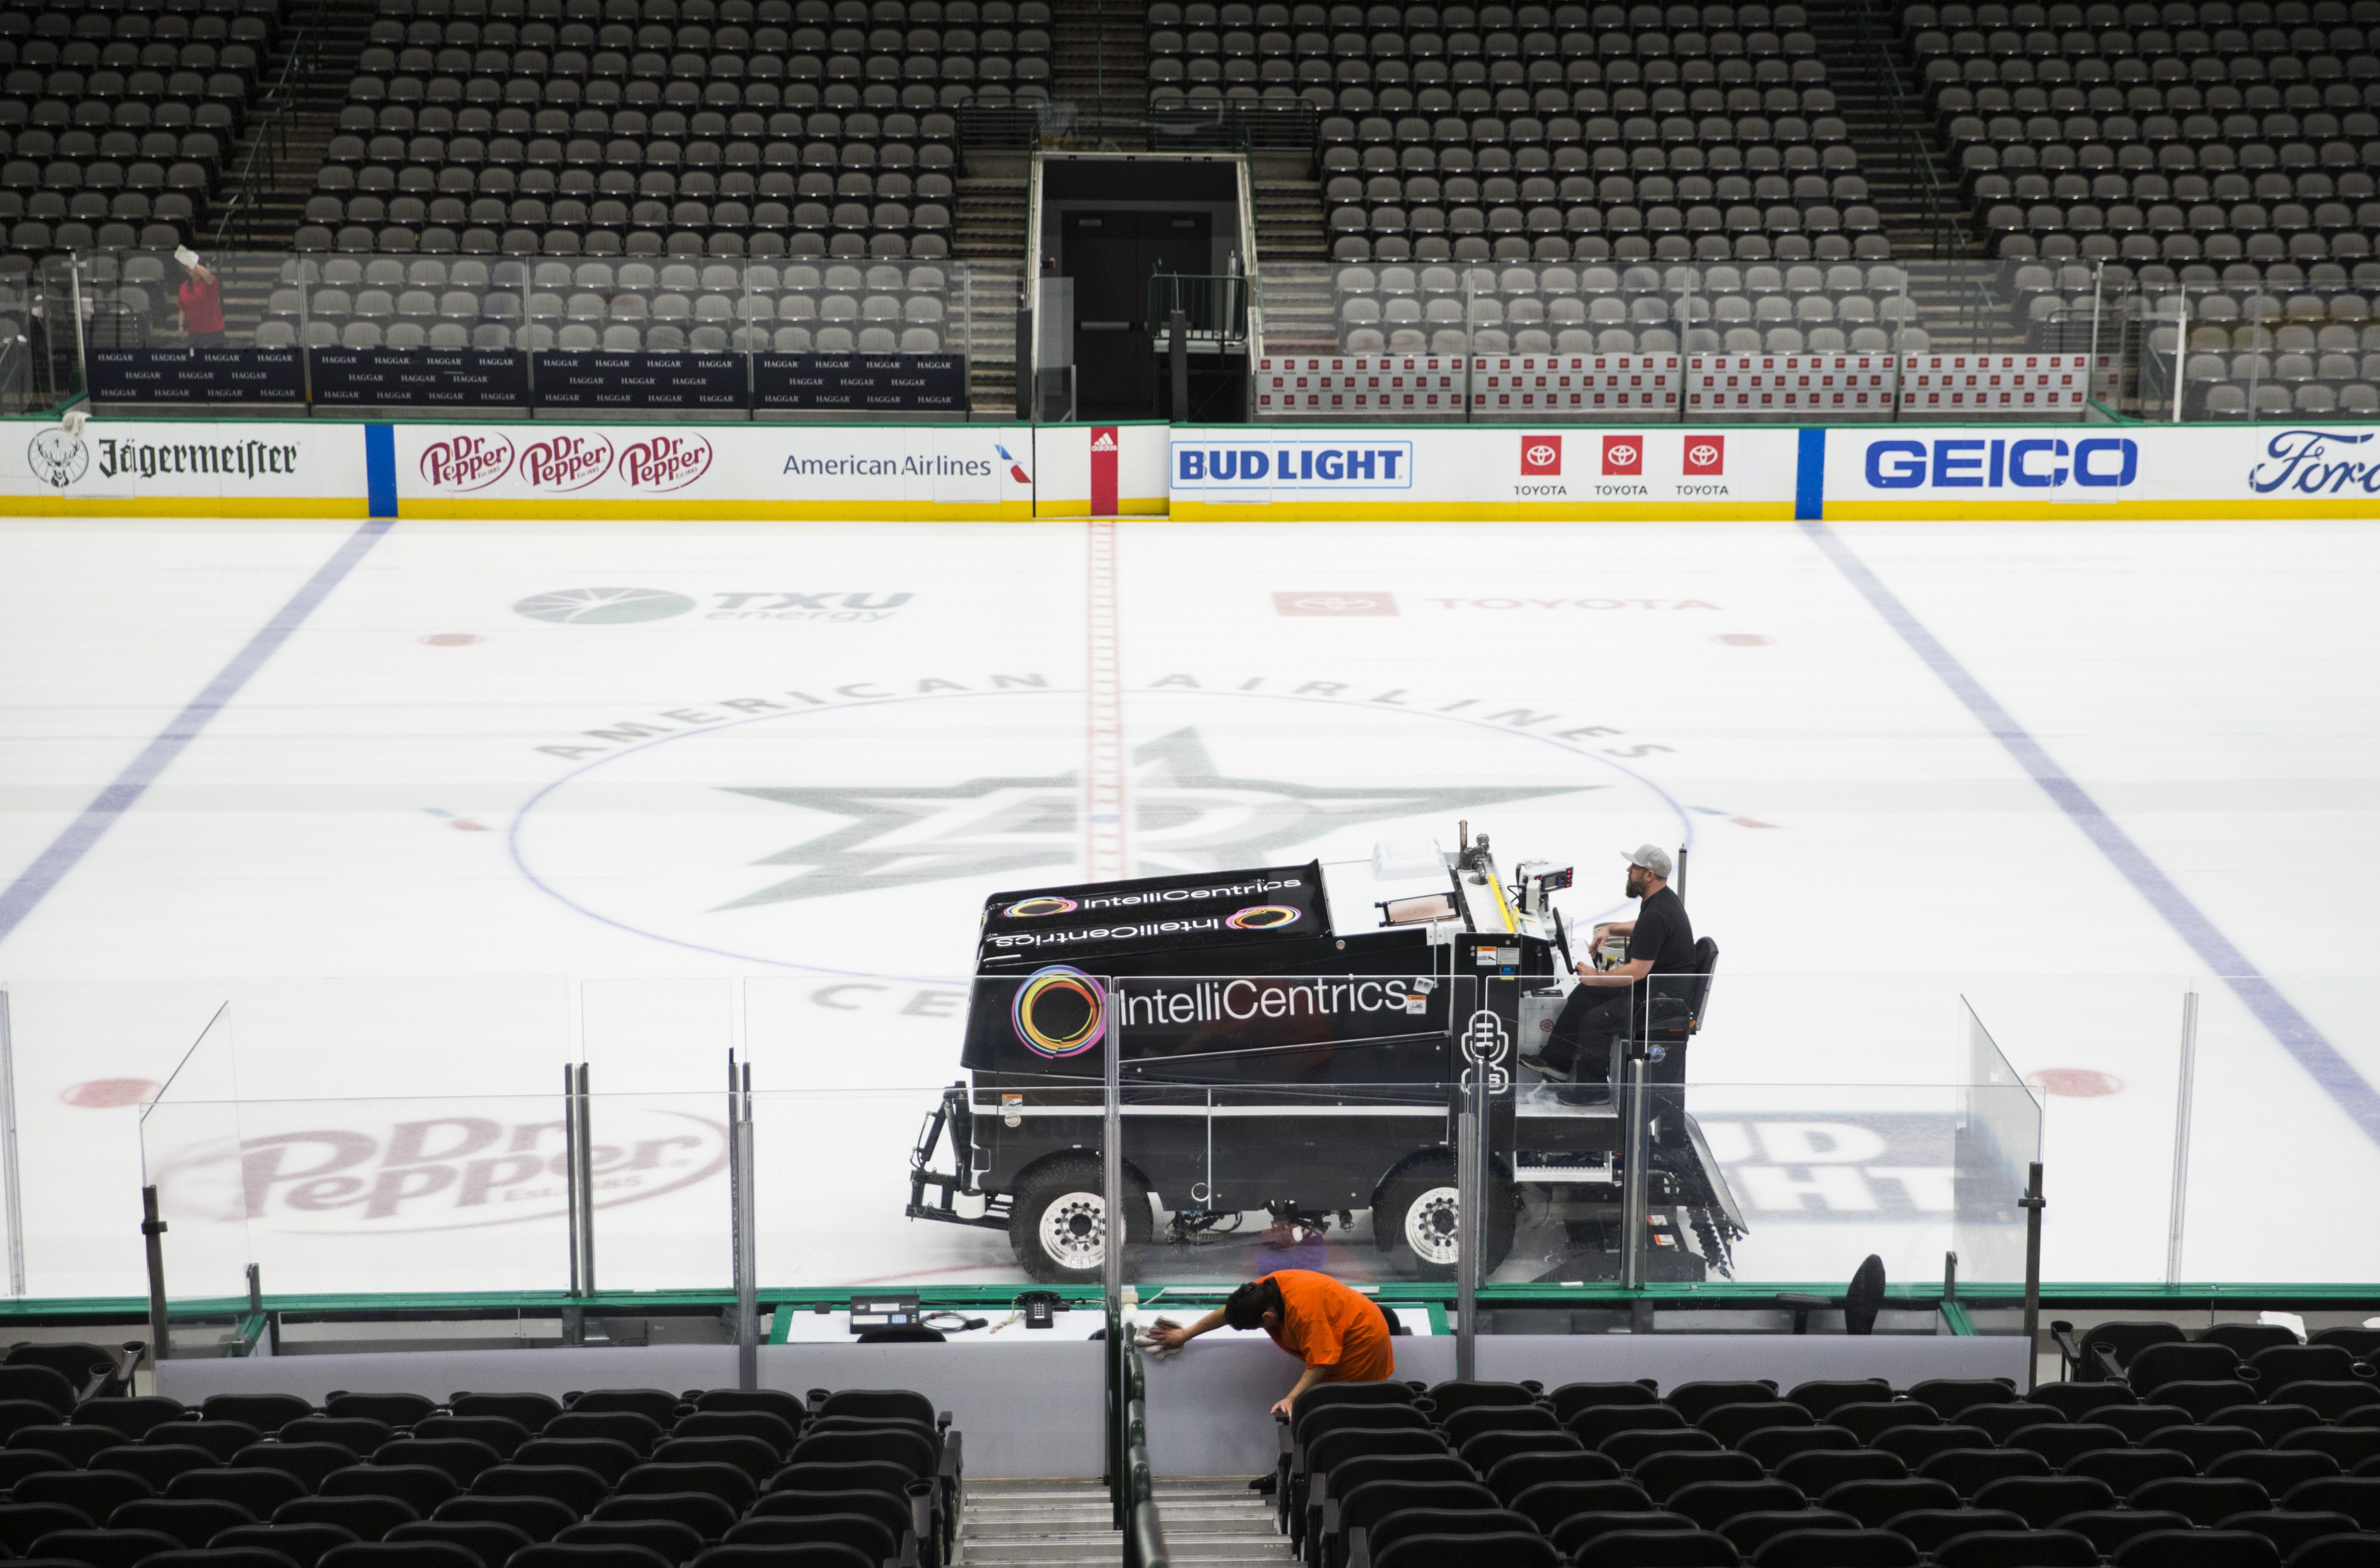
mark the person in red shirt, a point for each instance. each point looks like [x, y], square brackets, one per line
[1339, 1334]
[202, 302]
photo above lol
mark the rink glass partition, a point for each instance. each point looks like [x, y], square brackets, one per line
[705, 336]
[449, 1178]
[732, 338]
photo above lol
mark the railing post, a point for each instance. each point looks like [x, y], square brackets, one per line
[12, 1192]
[2182, 347]
[153, 1231]
[572, 1320]
[585, 1182]
[740, 1189]
[1631, 1178]
[2184, 1085]
[1177, 354]
[2032, 1203]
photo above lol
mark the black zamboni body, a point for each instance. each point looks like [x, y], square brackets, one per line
[1273, 1060]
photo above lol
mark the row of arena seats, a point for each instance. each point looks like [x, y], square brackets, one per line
[117, 118]
[736, 56]
[715, 308]
[736, 154]
[607, 1479]
[2102, 134]
[1269, 54]
[1563, 309]
[2188, 1458]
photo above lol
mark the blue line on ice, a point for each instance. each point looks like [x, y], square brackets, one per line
[2280, 1016]
[79, 836]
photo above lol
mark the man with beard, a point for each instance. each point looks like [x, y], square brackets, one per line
[1612, 1004]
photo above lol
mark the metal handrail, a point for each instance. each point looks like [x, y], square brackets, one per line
[1943, 215]
[271, 144]
[1136, 1482]
[1216, 305]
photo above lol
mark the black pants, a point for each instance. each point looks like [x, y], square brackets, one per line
[1581, 1043]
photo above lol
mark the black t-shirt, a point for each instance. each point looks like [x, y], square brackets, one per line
[1664, 935]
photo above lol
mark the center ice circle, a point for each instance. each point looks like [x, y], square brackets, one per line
[863, 839]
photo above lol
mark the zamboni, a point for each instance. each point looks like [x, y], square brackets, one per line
[1277, 1058]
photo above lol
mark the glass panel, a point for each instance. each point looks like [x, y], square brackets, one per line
[194, 1154]
[1998, 1139]
[903, 325]
[447, 1177]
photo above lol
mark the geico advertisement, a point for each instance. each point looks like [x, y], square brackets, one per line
[2146, 470]
[1502, 469]
[131, 459]
[762, 469]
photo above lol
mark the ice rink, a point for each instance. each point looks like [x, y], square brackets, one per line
[635, 793]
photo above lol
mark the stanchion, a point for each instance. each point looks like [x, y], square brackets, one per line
[1631, 1180]
[153, 1231]
[741, 1222]
[2183, 1087]
[2032, 1203]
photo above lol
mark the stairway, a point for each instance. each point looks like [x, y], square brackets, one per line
[1101, 67]
[1215, 1519]
[308, 119]
[1038, 1525]
[1857, 72]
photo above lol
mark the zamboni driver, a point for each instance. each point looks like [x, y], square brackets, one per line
[1339, 1334]
[1610, 1003]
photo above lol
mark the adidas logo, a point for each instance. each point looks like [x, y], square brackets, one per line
[1103, 442]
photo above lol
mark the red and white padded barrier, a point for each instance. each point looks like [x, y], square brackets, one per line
[1574, 383]
[1765, 383]
[1359, 384]
[1996, 383]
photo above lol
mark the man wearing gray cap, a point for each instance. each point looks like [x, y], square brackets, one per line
[1612, 1004]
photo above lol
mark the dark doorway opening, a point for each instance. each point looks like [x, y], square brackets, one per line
[1111, 256]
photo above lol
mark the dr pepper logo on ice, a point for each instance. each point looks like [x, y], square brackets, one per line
[1541, 454]
[664, 462]
[466, 462]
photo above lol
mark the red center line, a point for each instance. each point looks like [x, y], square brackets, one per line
[1104, 808]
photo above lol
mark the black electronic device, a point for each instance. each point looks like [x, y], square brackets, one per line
[883, 1312]
[1040, 1309]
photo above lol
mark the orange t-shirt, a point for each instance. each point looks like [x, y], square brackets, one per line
[1327, 1325]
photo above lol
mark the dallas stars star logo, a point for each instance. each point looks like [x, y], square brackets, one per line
[1187, 817]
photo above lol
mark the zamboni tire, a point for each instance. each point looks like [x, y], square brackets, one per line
[1063, 1198]
[1413, 1214]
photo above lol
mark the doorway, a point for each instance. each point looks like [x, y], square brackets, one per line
[1111, 255]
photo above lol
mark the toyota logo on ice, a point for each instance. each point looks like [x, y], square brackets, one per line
[1623, 454]
[1702, 457]
[1542, 453]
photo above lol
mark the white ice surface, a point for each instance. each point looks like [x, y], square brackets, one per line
[467, 911]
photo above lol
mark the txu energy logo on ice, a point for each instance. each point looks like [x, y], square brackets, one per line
[622, 606]
[603, 606]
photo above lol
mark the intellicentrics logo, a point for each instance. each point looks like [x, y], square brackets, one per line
[1058, 1012]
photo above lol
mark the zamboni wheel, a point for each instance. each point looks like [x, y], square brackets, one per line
[1056, 1220]
[1413, 1214]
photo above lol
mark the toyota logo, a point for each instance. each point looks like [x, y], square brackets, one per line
[1333, 602]
[1621, 455]
[1542, 453]
[1701, 455]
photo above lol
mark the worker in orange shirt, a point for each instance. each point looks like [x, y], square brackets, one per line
[1339, 1334]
